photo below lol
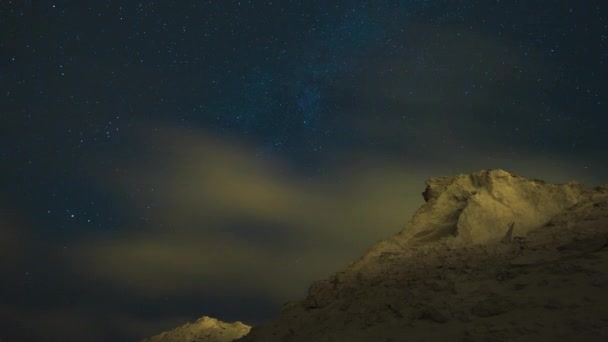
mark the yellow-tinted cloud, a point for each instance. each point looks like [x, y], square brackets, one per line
[207, 186]
[197, 265]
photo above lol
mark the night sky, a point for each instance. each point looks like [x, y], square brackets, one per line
[165, 160]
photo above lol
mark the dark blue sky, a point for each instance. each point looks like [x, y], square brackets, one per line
[148, 145]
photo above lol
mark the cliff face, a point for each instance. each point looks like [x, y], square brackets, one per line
[490, 256]
[206, 329]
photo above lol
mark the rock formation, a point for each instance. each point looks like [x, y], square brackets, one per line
[491, 256]
[206, 329]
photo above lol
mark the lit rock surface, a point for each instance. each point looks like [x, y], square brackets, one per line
[206, 329]
[491, 256]
[480, 207]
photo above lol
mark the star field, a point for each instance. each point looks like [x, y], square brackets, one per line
[141, 138]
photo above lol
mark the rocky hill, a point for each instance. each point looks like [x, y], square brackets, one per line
[205, 329]
[491, 256]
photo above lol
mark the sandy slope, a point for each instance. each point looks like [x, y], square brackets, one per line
[491, 256]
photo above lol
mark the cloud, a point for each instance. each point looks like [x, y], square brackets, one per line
[454, 86]
[76, 324]
[12, 238]
[214, 217]
[55, 324]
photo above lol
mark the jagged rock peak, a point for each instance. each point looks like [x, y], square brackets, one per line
[481, 207]
[205, 329]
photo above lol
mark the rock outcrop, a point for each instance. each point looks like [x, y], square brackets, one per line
[480, 207]
[205, 329]
[491, 256]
